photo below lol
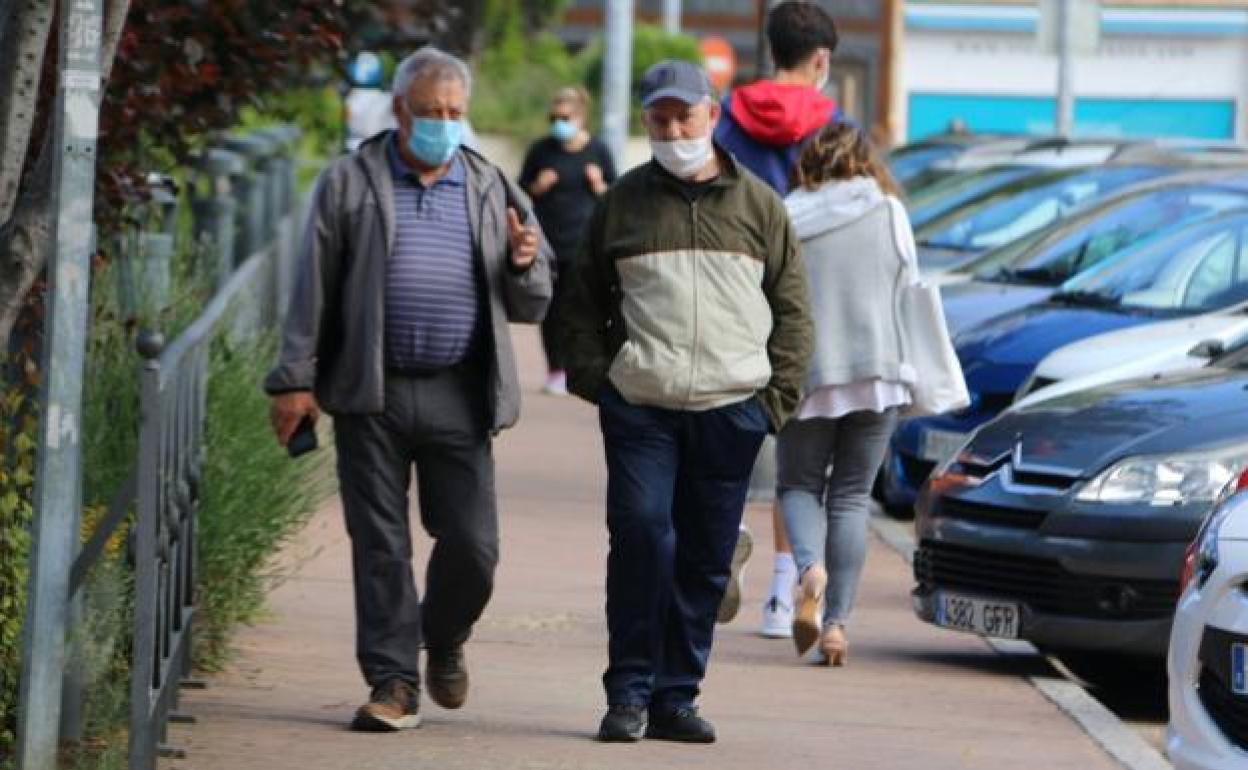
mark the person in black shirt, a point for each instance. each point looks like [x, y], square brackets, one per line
[564, 172]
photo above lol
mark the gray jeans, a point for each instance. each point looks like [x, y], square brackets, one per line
[437, 424]
[825, 514]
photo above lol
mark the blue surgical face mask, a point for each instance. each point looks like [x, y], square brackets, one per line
[563, 130]
[434, 141]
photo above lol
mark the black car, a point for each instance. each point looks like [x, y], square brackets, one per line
[1065, 522]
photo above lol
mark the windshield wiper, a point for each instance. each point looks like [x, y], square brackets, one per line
[1087, 298]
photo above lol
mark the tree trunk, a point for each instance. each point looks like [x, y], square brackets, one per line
[22, 50]
[26, 211]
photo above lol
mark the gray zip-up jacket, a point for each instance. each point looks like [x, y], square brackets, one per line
[333, 342]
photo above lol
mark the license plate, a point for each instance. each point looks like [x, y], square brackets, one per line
[939, 445]
[985, 617]
[1239, 679]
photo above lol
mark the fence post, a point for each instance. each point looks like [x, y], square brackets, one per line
[214, 208]
[143, 737]
[252, 190]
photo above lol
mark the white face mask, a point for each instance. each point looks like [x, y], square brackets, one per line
[822, 81]
[683, 158]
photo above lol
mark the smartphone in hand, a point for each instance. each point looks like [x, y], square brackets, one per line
[303, 440]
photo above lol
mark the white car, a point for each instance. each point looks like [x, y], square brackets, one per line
[1208, 658]
[1139, 351]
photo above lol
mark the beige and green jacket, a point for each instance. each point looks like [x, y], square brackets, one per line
[689, 304]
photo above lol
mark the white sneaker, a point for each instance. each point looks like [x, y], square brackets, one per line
[556, 384]
[777, 619]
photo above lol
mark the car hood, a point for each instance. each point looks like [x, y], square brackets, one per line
[970, 304]
[1084, 432]
[1028, 335]
[1135, 347]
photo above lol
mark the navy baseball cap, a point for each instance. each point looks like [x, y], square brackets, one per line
[674, 79]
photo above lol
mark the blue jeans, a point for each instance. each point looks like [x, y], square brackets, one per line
[676, 488]
[825, 514]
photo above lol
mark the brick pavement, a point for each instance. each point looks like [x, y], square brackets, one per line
[911, 697]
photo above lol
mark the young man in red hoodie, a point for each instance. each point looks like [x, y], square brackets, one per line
[765, 125]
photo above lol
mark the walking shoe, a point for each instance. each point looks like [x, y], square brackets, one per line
[777, 619]
[834, 646]
[446, 677]
[680, 724]
[806, 621]
[393, 706]
[730, 605]
[622, 724]
[556, 384]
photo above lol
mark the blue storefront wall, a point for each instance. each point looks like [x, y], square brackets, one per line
[930, 113]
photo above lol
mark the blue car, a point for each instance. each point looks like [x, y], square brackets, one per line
[1021, 208]
[1199, 269]
[959, 189]
[1029, 270]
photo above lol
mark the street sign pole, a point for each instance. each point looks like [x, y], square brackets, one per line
[58, 478]
[671, 17]
[617, 77]
[1065, 118]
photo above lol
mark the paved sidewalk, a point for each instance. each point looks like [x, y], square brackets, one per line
[911, 697]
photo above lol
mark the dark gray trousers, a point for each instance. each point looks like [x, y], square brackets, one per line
[438, 423]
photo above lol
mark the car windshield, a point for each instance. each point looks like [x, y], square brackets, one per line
[1067, 249]
[946, 195]
[1010, 213]
[1195, 270]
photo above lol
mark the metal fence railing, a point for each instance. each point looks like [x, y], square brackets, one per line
[243, 208]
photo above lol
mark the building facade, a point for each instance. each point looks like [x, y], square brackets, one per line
[1141, 67]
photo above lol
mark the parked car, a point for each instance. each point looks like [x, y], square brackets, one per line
[1178, 345]
[955, 191]
[1016, 210]
[1208, 653]
[1065, 523]
[1197, 270]
[1038, 152]
[1030, 269]
[1208, 660]
[908, 162]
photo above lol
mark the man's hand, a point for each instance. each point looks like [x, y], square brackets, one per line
[593, 175]
[523, 240]
[546, 179]
[286, 411]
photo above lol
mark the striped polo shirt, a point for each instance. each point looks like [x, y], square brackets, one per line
[433, 287]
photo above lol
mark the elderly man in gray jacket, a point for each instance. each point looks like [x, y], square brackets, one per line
[415, 257]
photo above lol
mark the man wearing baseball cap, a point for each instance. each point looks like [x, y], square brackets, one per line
[688, 325]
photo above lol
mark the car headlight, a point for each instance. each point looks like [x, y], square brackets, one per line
[946, 464]
[1168, 480]
[1201, 559]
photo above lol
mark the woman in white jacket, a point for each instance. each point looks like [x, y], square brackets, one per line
[859, 253]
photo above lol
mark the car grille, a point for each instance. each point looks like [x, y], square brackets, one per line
[1229, 713]
[1228, 710]
[1042, 584]
[995, 515]
[916, 470]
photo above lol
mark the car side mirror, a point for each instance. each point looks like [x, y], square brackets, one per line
[1208, 349]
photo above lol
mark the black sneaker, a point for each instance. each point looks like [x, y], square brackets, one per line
[393, 706]
[622, 724]
[446, 677]
[680, 724]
